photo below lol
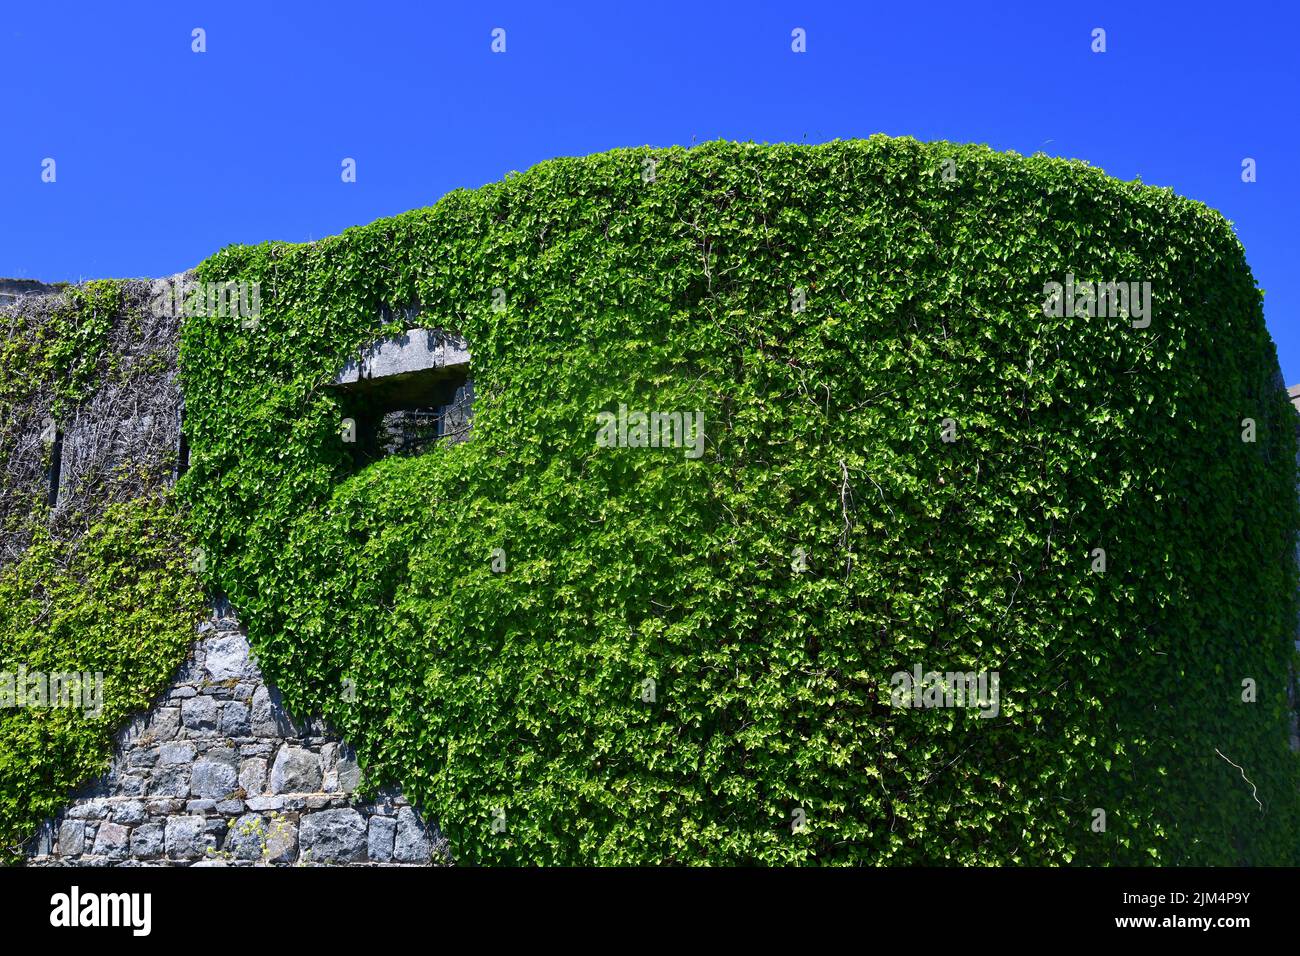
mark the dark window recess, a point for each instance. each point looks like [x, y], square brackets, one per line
[410, 416]
[182, 448]
[405, 394]
[56, 467]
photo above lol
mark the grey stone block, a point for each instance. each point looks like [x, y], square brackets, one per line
[214, 778]
[348, 771]
[129, 812]
[164, 724]
[143, 757]
[170, 782]
[269, 716]
[129, 736]
[214, 831]
[252, 776]
[175, 752]
[224, 753]
[96, 809]
[295, 770]
[334, 836]
[379, 842]
[413, 843]
[72, 838]
[183, 838]
[147, 841]
[227, 657]
[235, 721]
[112, 841]
[281, 841]
[247, 837]
[199, 713]
[131, 784]
[265, 803]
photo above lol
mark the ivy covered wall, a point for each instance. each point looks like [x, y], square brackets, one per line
[915, 457]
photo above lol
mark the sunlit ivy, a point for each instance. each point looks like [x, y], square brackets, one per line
[570, 652]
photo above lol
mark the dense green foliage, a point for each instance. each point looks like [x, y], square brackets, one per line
[66, 352]
[513, 706]
[119, 601]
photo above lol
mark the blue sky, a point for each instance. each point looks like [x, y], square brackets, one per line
[164, 155]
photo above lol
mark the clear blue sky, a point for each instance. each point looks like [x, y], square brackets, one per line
[164, 155]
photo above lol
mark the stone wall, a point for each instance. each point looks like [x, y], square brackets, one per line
[219, 774]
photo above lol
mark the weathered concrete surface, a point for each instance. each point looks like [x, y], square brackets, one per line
[419, 350]
[120, 441]
[13, 289]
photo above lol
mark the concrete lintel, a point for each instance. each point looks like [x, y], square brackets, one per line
[417, 350]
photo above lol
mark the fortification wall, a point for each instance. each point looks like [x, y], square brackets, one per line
[217, 773]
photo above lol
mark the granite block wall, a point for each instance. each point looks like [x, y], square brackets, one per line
[219, 774]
